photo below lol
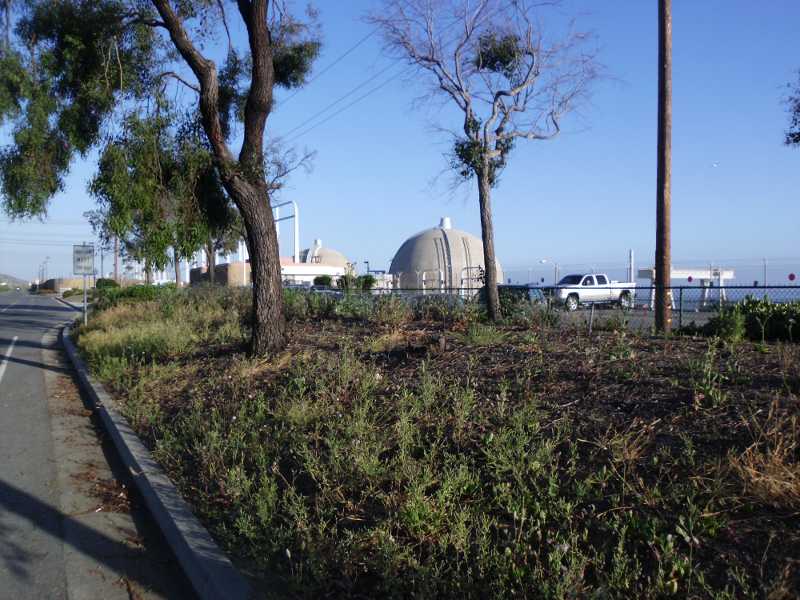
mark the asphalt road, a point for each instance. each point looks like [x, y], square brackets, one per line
[60, 537]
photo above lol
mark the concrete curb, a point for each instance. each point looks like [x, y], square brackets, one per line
[69, 304]
[209, 570]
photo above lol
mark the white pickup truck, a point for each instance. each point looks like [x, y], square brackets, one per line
[595, 288]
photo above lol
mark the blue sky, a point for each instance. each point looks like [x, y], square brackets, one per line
[584, 198]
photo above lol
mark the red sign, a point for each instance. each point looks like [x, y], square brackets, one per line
[791, 276]
[690, 278]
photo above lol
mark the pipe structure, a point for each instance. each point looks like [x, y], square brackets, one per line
[631, 271]
[296, 217]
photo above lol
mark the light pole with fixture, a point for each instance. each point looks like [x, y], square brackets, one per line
[544, 261]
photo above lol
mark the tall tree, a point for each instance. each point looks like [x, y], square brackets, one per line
[493, 61]
[77, 63]
[159, 193]
[664, 178]
[793, 102]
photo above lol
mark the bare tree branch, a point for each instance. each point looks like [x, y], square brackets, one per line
[206, 73]
[177, 77]
[225, 23]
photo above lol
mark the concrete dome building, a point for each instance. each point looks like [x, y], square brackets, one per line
[318, 254]
[441, 258]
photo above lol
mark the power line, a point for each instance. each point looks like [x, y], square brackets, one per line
[333, 64]
[351, 92]
[340, 99]
[354, 102]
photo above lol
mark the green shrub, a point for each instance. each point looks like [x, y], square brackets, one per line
[355, 306]
[441, 308]
[757, 319]
[72, 292]
[481, 334]
[365, 282]
[111, 296]
[105, 283]
[323, 280]
[295, 304]
[321, 306]
[347, 282]
[728, 325]
[391, 310]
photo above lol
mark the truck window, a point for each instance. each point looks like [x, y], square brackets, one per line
[570, 280]
[601, 280]
[588, 280]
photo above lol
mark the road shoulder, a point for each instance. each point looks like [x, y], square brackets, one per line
[111, 547]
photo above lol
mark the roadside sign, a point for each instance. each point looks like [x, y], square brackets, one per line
[83, 259]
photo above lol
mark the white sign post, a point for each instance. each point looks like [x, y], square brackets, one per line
[83, 264]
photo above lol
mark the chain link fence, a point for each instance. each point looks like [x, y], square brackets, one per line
[631, 306]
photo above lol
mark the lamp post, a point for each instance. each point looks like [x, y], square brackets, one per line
[366, 262]
[544, 261]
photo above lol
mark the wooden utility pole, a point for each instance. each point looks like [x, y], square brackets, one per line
[664, 193]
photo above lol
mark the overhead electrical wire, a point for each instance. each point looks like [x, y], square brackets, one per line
[331, 65]
[352, 91]
[342, 98]
[351, 104]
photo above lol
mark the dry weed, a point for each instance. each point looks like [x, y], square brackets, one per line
[768, 468]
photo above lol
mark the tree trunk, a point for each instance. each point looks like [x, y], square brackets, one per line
[664, 194]
[116, 259]
[244, 179]
[211, 263]
[487, 232]
[148, 273]
[269, 326]
[178, 279]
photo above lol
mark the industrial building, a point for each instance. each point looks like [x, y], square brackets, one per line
[302, 268]
[440, 259]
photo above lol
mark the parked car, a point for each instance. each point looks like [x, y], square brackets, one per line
[591, 288]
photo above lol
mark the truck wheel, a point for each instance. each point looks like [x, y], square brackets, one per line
[572, 302]
[625, 301]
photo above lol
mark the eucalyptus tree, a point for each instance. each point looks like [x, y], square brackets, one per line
[493, 61]
[160, 194]
[74, 66]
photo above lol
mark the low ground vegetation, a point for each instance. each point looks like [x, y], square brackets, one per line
[758, 320]
[403, 449]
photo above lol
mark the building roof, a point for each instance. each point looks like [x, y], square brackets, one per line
[440, 257]
[319, 254]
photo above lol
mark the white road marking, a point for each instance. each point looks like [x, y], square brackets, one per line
[4, 362]
[10, 306]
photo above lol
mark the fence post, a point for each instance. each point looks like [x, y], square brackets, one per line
[591, 319]
[680, 308]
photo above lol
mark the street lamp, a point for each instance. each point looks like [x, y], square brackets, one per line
[544, 261]
[366, 262]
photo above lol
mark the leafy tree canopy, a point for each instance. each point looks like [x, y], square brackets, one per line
[74, 68]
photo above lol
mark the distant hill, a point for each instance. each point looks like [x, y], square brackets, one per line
[12, 282]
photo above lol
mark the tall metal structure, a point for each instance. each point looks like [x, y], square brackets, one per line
[295, 216]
